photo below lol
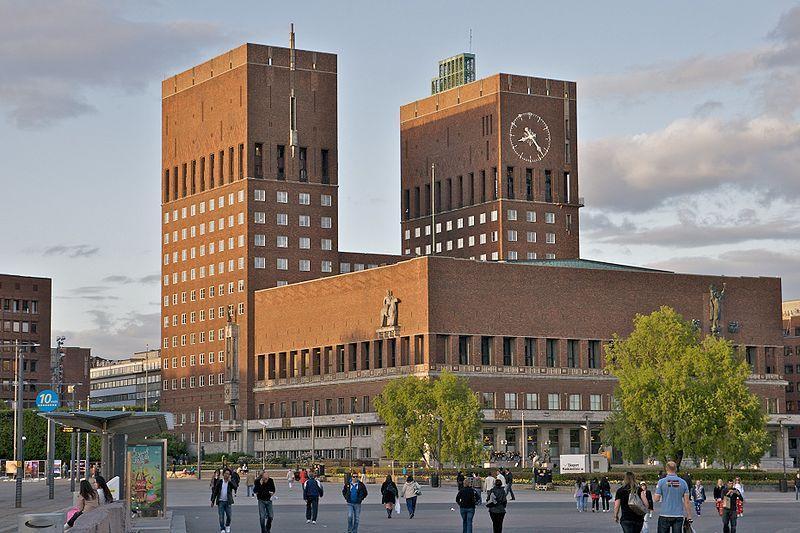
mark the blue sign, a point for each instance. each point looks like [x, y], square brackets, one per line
[47, 400]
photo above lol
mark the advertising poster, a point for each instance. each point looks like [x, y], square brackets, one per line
[145, 466]
[57, 467]
[32, 469]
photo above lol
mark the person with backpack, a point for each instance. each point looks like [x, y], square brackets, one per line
[312, 492]
[629, 508]
[673, 493]
[594, 493]
[467, 499]
[411, 490]
[605, 493]
[496, 503]
[389, 494]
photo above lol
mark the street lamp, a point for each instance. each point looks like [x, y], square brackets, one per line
[263, 444]
[350, 423]
[783, 446]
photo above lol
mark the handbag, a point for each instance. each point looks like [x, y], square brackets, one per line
[636, 504]
[397, 507]
[417, 490]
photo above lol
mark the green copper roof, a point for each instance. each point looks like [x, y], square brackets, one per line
[587, 263]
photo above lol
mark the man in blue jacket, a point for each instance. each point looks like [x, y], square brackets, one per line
[354, 493]
[312, 492]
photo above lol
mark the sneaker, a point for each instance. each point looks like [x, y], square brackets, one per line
[308, 521]
[227, 529]
[313, 521]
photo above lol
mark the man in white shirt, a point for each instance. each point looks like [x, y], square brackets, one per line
[502, 478]
[488, 483]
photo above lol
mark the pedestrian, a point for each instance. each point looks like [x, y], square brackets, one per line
[730, 507]
[719, 492]
[797, 486]
[499, 475]
[354, 493]
[289, 478]
[250, 479]
[594, 493]
[303, 476]
[496, 503]
[104, 495]
[264, 489]
[222, 495]
[214, 477]
[389, 495]
[647, 498]
[631, 519]
[87, 501]
[673, 494]
[174, 466]
[410, 492]
[698, 496]
[585, 502]
[312, 492]
[579, 495]
[605, 493]
[467, 498]
[460, 480]
[488, 483]
[739, 503]
[509, 481]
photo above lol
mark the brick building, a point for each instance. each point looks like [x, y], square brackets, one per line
[791, 370]
[538, 352]
[25, 304]
[249, 201]
[75, 367]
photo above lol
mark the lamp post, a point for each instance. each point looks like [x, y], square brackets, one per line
[589, 443]
[783, 446]
[263, 445]
[350, 423]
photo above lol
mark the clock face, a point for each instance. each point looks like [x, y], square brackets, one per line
[530, 137]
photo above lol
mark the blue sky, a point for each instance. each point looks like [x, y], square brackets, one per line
[688, 126]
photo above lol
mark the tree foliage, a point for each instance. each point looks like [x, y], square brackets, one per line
[413, 408]
[681, 396]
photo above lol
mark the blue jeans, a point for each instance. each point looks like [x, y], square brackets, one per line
[224, 511]
[411, 504]
[265, 515]
[670, 524]
[467, 514]
[353, 514]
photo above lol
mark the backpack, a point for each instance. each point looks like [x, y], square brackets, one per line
[636, 504]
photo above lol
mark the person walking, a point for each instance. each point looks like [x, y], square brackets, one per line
[290, 478]
[467, 498]
[389, 495]
[499, 475]
[605, 493]
[698, 496]
[730, 507]
[264, 489]
[460, 480]
[250, 480]
[719, 492]
[594, 493]
[740, 503]
[222, 495]
[303, 476]
[354, 493]
[579, 495]
[312, 492]
[509, 481]
[647, 498]
[488, 483]
[410, 492]
[630, 519]
[797, 486]
[586, 495]
[673, 494]
[214, 477]
[496, 503]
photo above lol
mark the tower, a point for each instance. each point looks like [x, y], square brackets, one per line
[489, 170]
[249, 199]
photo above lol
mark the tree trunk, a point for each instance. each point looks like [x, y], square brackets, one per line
[678, 458]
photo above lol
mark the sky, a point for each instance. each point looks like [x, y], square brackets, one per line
[688, 127]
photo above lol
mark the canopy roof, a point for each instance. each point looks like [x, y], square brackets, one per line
[133, 423]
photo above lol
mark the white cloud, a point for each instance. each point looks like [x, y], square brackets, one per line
[116, 336]
[54, 51]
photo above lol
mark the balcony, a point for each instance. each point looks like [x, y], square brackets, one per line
[230, 425]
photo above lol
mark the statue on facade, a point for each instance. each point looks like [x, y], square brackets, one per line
[715, 308]
[389, 310]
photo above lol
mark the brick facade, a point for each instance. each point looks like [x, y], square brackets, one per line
[791, 370]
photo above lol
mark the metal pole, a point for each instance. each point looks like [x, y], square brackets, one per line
[51, 455]
[198, 443]
[19, 456]
[783, 450]
[78, 457]
[589, 443]
[263, 448]
[87, 455]
[313, 436]
[72, 441]
[145, 377]
[439, 450]
[524, 441]
[350, 447]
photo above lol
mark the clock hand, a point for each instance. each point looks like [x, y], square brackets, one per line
[538, 148]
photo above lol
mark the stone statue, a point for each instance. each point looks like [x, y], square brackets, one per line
[715, 308]
[389, 310]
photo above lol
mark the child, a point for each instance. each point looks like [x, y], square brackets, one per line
[698, 496]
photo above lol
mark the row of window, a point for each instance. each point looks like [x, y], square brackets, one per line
[530, 216]
[126, 368]
[319, 433]
[7, 365]
[192, 177]
[127, 382]
[329, 406]
[530, 401]
[15, 326]
[511, 255]
[201, 272]
[14, 305]
[200, 316]
[212, 291]
[259, 195]
[219, 357]
[464, 191]
[194, 338]
[192, 253]
[303, 265]
[194, 381]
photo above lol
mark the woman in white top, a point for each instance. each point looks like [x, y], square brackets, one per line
[103, 492]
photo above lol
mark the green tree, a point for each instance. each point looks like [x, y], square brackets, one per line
[413, 409]
[679, 396]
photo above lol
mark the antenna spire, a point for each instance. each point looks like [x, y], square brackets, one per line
[470, 40]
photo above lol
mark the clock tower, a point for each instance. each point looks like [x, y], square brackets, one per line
[489, 171]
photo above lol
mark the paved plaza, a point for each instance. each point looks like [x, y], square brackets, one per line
[766, 512]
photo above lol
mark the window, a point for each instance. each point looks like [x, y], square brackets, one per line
[260, 240]
[280, 162]
[530, 351]
[327, 266]
[553, 402]
[260, 262]
[283, 264]
[304, 198]
[512, 214]
[326, 244]
[593, 354]
[510, 400]
[595, 402]
[531, 236]
[548, 186]
[324, 167]
[551, 352]
[508, 351]
[550, 238]
[258, 160]
[530, 216]
[259, 217]
[572, 353]
[529, 184]
[305, 265]
[464, 349]
[326, 222]
[531, 400]
[304, 221]
[550, 218]
[283, 219]
[512, 235]
[303, 161]
[509, 182]
[574, 402]
[486, 350]
[487, 400]
[304, 243]
[325, 200]
[282, 241]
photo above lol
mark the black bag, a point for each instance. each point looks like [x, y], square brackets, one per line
[636, 504]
